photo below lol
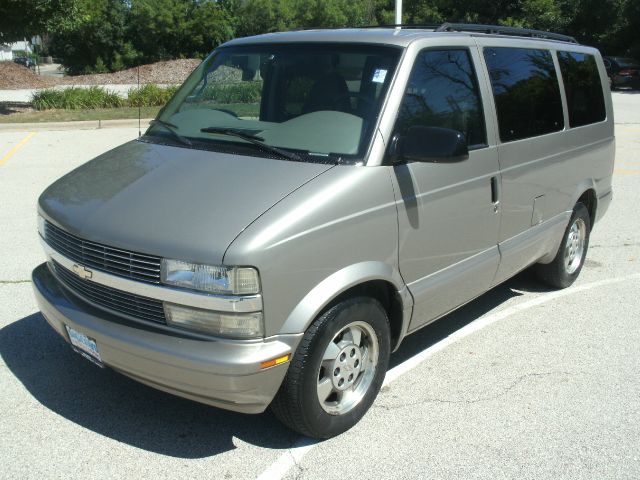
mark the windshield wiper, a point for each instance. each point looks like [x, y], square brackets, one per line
[255, 139]
[170, 127]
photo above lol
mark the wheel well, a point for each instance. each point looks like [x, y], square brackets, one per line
[590, 201]
[387, 295]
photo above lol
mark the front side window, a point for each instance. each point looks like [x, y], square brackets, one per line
[582, 87]
[443, 92]
[315, 101]
[526, 91]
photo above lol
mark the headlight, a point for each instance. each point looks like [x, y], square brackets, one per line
[208, 278]
[231, 325]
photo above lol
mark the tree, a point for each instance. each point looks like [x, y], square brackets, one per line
[94, 39]
[94, 35]
[163, 29]
[262, 16]
[21, 19]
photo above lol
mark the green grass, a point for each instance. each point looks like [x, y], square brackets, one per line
[240, 109]
[76, 115]
[59, 115]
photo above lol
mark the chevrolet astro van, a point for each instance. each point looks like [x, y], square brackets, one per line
[307, 199]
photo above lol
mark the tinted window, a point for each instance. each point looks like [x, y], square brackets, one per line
[585, 99]
[443, 92]
[526, 91]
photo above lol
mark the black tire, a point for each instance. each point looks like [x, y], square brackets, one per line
[297, 403]
[556, 274]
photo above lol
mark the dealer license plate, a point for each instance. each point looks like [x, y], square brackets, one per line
[85, 346]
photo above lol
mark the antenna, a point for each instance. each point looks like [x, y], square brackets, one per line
[139, 103]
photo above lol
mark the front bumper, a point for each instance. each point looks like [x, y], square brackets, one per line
[222, 373]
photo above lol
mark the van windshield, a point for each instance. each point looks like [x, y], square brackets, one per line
[311, 101]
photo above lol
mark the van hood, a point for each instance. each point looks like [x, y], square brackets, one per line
[169, 201]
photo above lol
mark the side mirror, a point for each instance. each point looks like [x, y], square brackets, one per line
[429, 144]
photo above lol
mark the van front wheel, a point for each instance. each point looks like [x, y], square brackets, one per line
[337, 370]
[566, 266]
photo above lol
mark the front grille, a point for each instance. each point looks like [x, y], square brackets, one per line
[136, 266]
[112, 299]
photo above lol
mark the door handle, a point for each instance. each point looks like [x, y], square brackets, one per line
[495, 194]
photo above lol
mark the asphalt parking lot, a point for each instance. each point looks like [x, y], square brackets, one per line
[521, 383]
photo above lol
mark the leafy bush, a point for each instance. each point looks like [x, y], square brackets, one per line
[150, 95]
[99, 67]
[76, 98]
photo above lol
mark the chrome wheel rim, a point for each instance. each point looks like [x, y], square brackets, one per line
[348, 368]
[574, 247]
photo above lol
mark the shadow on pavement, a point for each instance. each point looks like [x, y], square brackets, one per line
[112, 405]
[7, 108]
[119, 408]
[454, 321]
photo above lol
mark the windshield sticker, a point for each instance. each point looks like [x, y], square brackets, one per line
[379, 75]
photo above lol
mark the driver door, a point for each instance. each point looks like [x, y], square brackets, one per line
[449, 213]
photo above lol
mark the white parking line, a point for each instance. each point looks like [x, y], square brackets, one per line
[303, 445]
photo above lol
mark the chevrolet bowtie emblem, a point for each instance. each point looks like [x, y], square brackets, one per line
[82, 272]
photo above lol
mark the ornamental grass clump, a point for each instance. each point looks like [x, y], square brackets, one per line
[76, 98]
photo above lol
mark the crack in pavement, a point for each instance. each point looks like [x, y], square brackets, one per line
[504, 392]
[625, 244]
[301, 470]
[295, 457]
[13, 282]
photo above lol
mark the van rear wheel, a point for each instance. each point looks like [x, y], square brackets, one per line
[567, 264]
[337, 370]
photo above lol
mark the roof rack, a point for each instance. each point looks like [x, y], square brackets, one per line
[418, 26]
[502, 30]
[471, 28]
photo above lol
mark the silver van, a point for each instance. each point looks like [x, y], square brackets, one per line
[307, 199]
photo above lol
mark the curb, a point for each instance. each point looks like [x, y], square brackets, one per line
[78, 125]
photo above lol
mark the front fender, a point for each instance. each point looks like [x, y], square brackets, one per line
[332, 233]
[332, 286]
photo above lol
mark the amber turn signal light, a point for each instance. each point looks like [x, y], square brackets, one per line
[275, 361]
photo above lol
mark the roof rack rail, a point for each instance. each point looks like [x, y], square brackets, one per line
[419, 26]
[467, 27]
[502, 30]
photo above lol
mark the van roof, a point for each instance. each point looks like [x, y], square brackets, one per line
[400, 35]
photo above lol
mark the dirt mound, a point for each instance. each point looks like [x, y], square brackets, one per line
[169, 72]
[14, 76]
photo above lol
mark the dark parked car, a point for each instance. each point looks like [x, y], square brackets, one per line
[26, 61]
[622, 72]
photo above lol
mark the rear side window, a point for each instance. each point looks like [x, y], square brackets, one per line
[526, 91]
[443, 92]
[583, 89]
